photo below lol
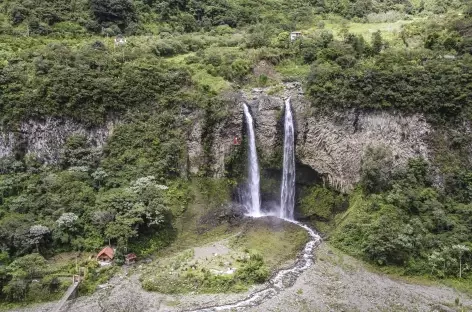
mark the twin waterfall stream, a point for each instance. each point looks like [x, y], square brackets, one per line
[287, 194]
[252, 198]
[252, 201]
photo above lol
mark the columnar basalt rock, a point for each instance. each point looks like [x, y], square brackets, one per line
[333, 144]
[267, 112]
[7, 143]
[44, 139]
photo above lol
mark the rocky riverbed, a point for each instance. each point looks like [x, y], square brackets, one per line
[336, 282]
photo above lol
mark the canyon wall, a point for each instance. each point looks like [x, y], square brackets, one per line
[333, 144]
[45, 139]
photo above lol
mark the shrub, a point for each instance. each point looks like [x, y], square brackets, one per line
[376, 169]
[320, 202]
[253, 270]
[169, 47]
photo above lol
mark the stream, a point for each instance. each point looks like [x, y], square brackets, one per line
[281, 280]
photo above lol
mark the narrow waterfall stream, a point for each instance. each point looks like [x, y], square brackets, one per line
[287, 194]
[253, 197]
[284, 278]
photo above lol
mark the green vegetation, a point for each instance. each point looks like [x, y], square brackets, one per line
[250, 270]
[320, 203]
[246, 256]
[35, 279]
[277, 242]
[179, 64]
[409, 223]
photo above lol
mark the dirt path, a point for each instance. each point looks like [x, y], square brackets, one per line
[334, 283]
[340, 283]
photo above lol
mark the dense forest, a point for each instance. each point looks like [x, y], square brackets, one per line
[59, 59]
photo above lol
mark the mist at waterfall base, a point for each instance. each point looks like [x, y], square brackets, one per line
[251, 197]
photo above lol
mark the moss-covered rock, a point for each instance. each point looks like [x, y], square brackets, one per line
[320, 203]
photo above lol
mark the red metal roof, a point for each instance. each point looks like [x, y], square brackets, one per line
[108, 251]
[131, 256]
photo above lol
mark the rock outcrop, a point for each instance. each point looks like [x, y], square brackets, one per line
[333, 144]
[209, 147]
[44, 139]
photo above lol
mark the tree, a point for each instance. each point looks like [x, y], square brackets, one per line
[460, 250]
[389, 240]
[326, 37]
[435, 259]
[99, 176]
[281, 40]
[377, 42]
[123, 228]
[28, 267]
[376, 169]
[37, 234]
[66, 227]
[109, 12]
[16, 289]
[22, 271]
[67, 220]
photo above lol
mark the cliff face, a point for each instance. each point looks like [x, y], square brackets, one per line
[332, 144]
[335, 145]
[44, 139]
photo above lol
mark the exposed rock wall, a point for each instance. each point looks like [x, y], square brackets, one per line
[266, 111]
[219, 139]
[45, 138]
[332, 144]
[7, 143]
[195, 149]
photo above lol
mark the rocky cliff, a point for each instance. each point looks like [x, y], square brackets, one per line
[333, 144]
[44, 139]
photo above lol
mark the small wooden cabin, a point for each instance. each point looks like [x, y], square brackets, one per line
[106, 254]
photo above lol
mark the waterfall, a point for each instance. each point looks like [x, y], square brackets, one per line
[287, 196]
[253, 198]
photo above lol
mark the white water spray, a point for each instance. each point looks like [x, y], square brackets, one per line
[287, 196]
[253, 202]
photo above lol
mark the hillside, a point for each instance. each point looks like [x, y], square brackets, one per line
[120, 122]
